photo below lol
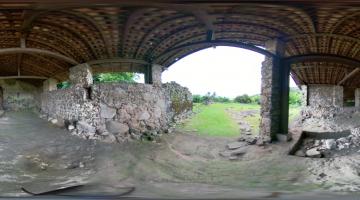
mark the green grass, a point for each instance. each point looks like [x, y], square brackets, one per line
[214, 119]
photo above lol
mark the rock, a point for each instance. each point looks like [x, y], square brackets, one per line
[236, 152]
[300, 153]
[71, 127]
[235, 145]
[83, 126]
[249, 139]
[144, 116]
[54, 121]
[330, 144]
[117, 127]
[106, 111]
[43, 166]
[313, 153]
[110, 138]
[322, 175]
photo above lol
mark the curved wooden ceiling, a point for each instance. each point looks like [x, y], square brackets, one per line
[152, 32]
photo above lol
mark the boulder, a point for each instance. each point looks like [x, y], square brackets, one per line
[313, 153]
[106, 111]
[117, 127]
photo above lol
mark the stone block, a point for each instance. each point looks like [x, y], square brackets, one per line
[107, 112]
[81, 75]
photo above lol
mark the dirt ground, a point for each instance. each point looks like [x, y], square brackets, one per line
[181, 164]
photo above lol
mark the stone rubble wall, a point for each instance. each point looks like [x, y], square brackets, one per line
[325, 95]
[118, 111]
[18, 95]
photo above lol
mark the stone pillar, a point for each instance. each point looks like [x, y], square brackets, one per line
[156, 74]
[50, 85]
[304, 95]
[357, 97]
[274, 93]
[325, 95]
[153, 74]
[81, 75]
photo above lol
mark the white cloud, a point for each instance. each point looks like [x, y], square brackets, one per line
[228, 71]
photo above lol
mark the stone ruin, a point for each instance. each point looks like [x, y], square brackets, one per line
[111, 112]
[329, 128]
[115, 112]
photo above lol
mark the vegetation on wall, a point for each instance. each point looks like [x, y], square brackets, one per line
[127, 77]
[117, 77]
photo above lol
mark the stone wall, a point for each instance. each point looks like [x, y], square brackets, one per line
[118, 112]
[325, 95]
[18, 95]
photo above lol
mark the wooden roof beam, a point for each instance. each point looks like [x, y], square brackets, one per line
[351, 74]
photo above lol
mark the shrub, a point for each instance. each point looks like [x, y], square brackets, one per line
[197, 98]
[243, 99]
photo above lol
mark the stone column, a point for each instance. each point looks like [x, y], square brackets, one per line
[304, 95]
[156, 74]
[50, 85]
[153, 74]
[274, 93]
[81, 76]
[357, 97]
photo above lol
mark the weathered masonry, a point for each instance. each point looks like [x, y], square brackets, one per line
[114, 111]
[315, 43]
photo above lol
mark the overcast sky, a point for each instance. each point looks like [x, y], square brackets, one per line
[228, 71]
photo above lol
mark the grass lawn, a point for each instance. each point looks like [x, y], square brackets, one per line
[214, 120]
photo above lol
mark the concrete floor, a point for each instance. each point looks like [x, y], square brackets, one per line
[39, 156]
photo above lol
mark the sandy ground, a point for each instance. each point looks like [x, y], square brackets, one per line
[39, 156]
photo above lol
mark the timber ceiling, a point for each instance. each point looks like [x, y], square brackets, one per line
[163, 32]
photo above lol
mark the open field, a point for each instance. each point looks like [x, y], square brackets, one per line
[216, 120]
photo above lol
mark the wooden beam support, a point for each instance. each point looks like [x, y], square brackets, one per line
[215, 43]
[38, 51]
[351, 74]
[323, 58]
[117, 60]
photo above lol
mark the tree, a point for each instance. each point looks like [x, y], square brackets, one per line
[255, 99]
[294, 97]
[127, 77]
[243, 99]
